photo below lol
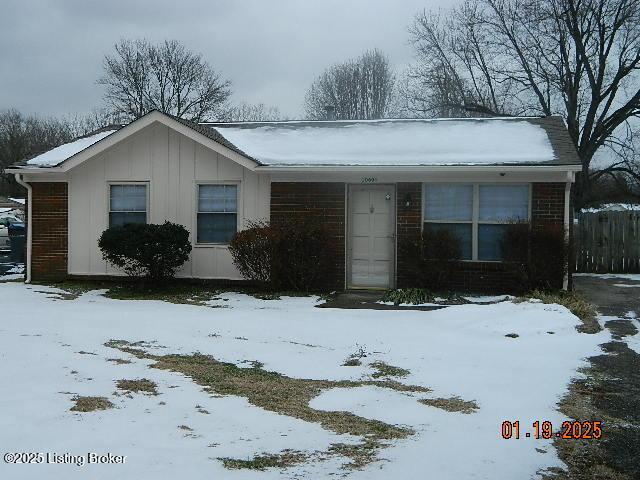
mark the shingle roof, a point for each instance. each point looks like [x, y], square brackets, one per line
[400, 142]
[486, 141]
[212, 134]
[560, 140]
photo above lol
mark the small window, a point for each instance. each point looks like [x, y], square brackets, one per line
[450, 207]
[127, 204]
[217, 213]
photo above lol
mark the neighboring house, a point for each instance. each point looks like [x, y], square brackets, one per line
[375, 182]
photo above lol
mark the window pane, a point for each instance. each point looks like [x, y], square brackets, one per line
[460, 230]
[448, 202]
[128, 198]
[504, 202]
[490, 241]
[120, 218]
[217, 198]
[216, 227]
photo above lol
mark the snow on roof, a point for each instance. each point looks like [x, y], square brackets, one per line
[59, 154]
[613, 207]
[21, 201]
[405, 142]
[393, 142]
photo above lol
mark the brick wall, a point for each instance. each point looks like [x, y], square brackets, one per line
[326, 199]
[409, 226]
[547, 211]
[49, 231]
[547, 205]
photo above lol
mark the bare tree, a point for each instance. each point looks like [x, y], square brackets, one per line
[23, 136]
[140, 77]
[96, 119]
[356, 89]
[576, 58]
[247, 112]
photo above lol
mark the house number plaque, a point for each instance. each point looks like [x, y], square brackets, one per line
[369, 179]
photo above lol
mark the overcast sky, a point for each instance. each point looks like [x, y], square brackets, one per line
[51, 51]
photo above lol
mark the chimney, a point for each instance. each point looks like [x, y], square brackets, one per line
[330, 112]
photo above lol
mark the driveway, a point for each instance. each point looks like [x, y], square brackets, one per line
[611, 390]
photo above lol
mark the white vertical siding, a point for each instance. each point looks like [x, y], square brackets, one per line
[173, 165]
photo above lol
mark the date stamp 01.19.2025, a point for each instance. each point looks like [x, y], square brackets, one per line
[570, 430]
[80, 460]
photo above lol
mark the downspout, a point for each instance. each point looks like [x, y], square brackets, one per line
[567, 226]
[20, 181]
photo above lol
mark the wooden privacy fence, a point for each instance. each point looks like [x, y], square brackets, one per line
[607, 242]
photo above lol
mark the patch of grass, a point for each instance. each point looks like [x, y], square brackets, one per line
[278, 393]
[383, 369]
[192, 294]
[90, 404]
[173, 293]
[74, 288]
[284, 459]
[352, 362]
[412, 296]
[354, 359]
[417, 296]
[453, 404]
[267, 295]
[361, 454]
[118, 361]
[143, 385]
[575, 302]
[200, 409]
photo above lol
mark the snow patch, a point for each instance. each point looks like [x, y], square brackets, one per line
[451, 142]
[458, 351]
[57, 155]
[625, 276]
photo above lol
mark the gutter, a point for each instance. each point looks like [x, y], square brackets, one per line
[419, 168]
[20, 181]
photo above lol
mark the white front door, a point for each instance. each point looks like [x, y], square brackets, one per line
[371, 236]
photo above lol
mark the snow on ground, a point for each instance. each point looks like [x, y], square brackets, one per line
[623, 276]
[393, 142]
[440, 301]
[12, 271]
[53, 349]
[613, 207]
[59, 154]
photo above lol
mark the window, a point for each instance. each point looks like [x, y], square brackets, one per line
[477, 214]
[217, 213]
[499, 205]
[450, 207]
[127, 204]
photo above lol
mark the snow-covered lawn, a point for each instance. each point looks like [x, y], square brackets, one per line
[53, 349]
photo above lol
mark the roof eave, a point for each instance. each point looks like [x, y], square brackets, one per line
[420, 168]
[131, 128]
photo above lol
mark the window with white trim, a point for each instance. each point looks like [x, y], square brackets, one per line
[217, 213]
[477, 214]
[127, 204]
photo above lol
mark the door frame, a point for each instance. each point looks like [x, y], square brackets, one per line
[394, 248]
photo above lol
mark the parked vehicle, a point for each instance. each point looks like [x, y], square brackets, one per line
[5, 221]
